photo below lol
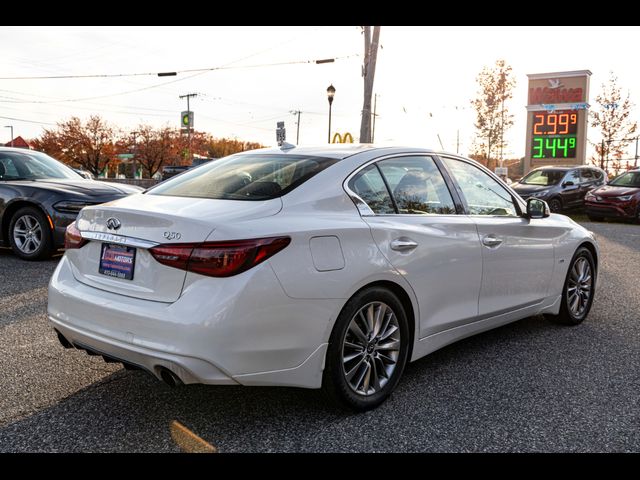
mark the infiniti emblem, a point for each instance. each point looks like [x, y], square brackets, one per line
[113, 223]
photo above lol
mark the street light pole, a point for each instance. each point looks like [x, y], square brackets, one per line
[297, 112]
[135, 152]
[331, 91]
[11, 127]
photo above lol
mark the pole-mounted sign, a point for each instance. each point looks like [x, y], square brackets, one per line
[281, 133]
[186, 120]
[557, 117]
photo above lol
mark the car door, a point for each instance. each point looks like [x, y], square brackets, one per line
[415, 223]
[587, 183]
[517, 252]
[571, 194]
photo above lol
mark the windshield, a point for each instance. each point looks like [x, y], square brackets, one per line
[629, 179]
[32, 166]
[543, 177]
[245, 177]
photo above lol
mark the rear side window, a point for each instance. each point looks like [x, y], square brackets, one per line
[370, 187]
[417, 186]
[245, 177]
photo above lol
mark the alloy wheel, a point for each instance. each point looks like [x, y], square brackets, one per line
[371, 348]
[580, 287]
[27, 234]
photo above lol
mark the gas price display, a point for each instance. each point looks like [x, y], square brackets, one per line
[554, 134]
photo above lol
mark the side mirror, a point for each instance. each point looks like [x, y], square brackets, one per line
[537, 208]
[568, 183]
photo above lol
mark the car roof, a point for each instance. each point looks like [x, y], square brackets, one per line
[564, 169]
[337, 150]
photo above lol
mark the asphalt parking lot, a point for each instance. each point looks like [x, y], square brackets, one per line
[528, 386]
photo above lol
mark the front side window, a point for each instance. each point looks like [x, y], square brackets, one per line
[417, 186]
[484, 195]
[245, 177]
[573, 176]
[370, 187]
[587, 175]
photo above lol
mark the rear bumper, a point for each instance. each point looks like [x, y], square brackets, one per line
[238, 330]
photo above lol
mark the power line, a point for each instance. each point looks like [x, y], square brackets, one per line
[191, 70]
[29, 121]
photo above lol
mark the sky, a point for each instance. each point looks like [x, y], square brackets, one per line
[425, 77]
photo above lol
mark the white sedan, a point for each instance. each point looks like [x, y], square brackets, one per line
[318, 267]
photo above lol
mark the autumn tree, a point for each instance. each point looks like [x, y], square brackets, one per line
[154, 147]
[492, 114]
[611, 117]
[221, 147]
[88, 145]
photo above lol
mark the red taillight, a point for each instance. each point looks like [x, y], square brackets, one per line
[219, 259]
[73, 238]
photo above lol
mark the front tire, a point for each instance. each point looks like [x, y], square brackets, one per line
[579, 289]
[555, 205]
[29, 234]
[368, 350]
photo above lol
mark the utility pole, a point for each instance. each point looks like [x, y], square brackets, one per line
[373, 129]
[11, 127]
[368, 72]
[187, 96]
[297, 112]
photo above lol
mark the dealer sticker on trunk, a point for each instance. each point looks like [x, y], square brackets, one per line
[117, 261]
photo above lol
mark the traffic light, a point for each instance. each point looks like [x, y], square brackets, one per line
[186, 120]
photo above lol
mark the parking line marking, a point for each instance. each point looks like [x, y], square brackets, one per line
[188, 441]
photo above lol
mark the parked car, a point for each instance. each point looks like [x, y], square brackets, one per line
[318, 267]
[561, 187]
[40, 196]
[169, 171]
[620, 198]
[83, 173]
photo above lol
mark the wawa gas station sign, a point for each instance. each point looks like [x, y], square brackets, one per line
[557, 117]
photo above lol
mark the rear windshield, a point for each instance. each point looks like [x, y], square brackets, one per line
[543, 177]
[245, 177]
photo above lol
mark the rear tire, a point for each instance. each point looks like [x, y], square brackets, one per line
[368, 350]
[30, 235]
[579, 289]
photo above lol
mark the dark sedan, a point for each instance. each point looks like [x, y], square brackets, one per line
[40, 196]
[620, 198]
[561, 187]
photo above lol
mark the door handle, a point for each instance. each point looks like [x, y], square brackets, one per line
[403, 244]
[491, 241]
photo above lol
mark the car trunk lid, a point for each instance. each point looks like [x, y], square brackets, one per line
[121, 233]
